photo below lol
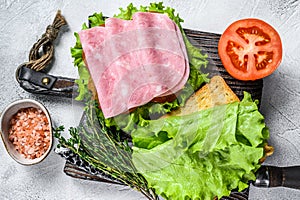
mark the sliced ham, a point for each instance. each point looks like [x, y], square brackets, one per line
[133, 61]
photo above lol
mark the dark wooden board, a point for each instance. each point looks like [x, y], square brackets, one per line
[208, 43]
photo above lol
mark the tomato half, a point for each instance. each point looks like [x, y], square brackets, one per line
[250, 49]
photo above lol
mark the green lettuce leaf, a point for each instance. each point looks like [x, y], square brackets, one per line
[204, 154]
[138, 117]
[96, 19]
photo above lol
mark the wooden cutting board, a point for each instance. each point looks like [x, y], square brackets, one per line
[65, 87]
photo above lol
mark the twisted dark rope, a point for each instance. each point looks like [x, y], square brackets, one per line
[36, 61]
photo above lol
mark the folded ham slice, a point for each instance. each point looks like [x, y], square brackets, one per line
[133, 61]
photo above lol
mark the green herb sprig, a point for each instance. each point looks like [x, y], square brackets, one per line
[104, 150]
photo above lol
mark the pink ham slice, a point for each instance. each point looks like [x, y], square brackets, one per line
[133, 61]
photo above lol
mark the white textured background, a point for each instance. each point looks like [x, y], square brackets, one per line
[22, 22]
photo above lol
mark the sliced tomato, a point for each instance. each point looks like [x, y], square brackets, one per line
[250, 49]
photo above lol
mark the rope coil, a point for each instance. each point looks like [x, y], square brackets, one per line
[37, 61]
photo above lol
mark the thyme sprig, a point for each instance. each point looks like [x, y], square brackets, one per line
[104, 149]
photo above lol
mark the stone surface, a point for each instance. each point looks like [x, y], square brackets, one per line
[22, 23]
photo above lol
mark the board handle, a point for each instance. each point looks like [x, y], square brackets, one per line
[272, 176]
[42, 83]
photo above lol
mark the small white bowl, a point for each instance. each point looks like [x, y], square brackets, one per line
[5, 118]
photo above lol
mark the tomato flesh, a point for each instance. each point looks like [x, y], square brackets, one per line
[250, 49]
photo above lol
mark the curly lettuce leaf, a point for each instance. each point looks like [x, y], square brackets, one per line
[128, 12]
[96, 19]
[202, 155]
[84, 74]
